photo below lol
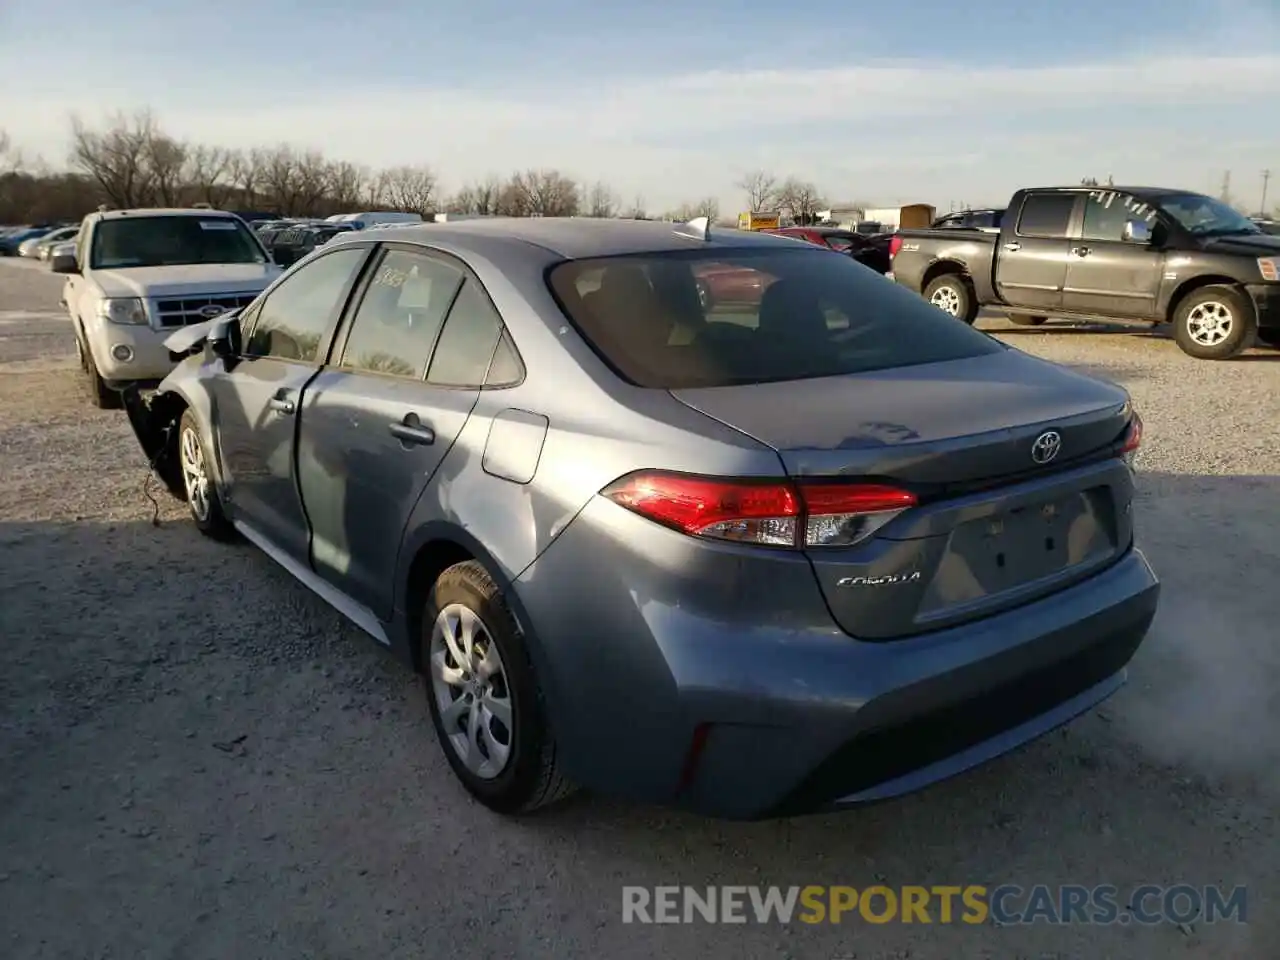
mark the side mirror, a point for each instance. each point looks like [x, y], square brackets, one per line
[64, 263]
[1136, 231]
[224, 337]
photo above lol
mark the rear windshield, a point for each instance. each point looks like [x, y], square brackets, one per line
[719, 318]
[172, 241]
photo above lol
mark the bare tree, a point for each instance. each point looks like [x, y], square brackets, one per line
[708, 207]
[478, 198]
[800, 199]
[411, 189]
[115, 157]
[347, 184]
[637, 210]
[599, 200]
[761, 189]
[10, 156]
[164, 163]
[539, 193]
[244, 171]
[207, 175]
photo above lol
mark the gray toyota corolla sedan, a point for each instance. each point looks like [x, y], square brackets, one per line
[708, 518]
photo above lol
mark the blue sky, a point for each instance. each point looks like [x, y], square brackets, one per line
[881, 102]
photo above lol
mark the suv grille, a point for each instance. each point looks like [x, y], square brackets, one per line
[188, 310]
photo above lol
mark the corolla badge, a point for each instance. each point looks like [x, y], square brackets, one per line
[888, 578]
[211, 311]
[1046, 446]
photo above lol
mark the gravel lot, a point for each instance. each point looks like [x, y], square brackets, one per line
[201, 760]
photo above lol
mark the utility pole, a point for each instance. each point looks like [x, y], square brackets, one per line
[1226, 187]
[1266, 177]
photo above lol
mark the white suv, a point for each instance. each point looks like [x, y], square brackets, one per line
[138, 275]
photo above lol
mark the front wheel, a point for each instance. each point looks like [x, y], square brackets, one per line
[484, 699]
[197, 481]
[1214, 323]
[952, 294]
[100, 395]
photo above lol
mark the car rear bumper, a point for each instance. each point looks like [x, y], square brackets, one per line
[1266, 301]
[655, 697]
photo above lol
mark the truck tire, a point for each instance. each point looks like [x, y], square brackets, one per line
[953, 294]
[1026, 320]
[100, 395]
[1214, 323]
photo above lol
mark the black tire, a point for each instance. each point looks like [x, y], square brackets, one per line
[1209, 305]
[100, 395]
[953, 289]
[212, 519]
[531, 777]
[1270, 338]
[1026, 320]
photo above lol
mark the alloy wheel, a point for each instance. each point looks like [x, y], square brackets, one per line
[1210, 323]
[194, 475]
[469, 682]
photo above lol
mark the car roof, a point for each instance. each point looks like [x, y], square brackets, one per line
[163, 212]
[572, 238]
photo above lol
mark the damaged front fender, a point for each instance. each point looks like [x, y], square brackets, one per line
[154, 420]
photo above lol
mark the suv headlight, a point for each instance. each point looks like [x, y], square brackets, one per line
[123, 310]
[1269, 267]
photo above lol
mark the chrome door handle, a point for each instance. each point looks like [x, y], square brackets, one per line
[1015, 245]
[280, 405]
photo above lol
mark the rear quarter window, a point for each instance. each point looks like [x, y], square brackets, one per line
[709, 319]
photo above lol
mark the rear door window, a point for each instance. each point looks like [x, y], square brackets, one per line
[399, 318]
[1046, 215]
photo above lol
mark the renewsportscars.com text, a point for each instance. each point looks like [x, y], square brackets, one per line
[1005, 905]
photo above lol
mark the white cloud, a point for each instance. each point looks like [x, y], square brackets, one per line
[962, 129]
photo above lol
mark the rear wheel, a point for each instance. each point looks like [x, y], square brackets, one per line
[1026, 320]
[484, 699]
[952, 294]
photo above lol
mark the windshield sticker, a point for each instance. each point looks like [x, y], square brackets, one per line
[217, 224]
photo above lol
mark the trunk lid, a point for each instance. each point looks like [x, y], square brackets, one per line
[993, 527]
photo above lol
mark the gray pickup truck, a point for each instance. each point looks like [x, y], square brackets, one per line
[1126, 253]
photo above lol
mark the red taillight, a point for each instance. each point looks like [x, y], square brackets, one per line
[1132, 437]
[770, 513]
[895, 244]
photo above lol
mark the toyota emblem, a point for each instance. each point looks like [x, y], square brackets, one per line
[211, 311]
[1046, 446]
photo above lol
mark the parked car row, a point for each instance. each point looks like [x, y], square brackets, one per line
[1127, 253]
[838, 544]
[24, 240]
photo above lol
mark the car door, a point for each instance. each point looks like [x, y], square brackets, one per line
[286, 336]
[1108, 275]
[1031, 259]
[379, 422]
